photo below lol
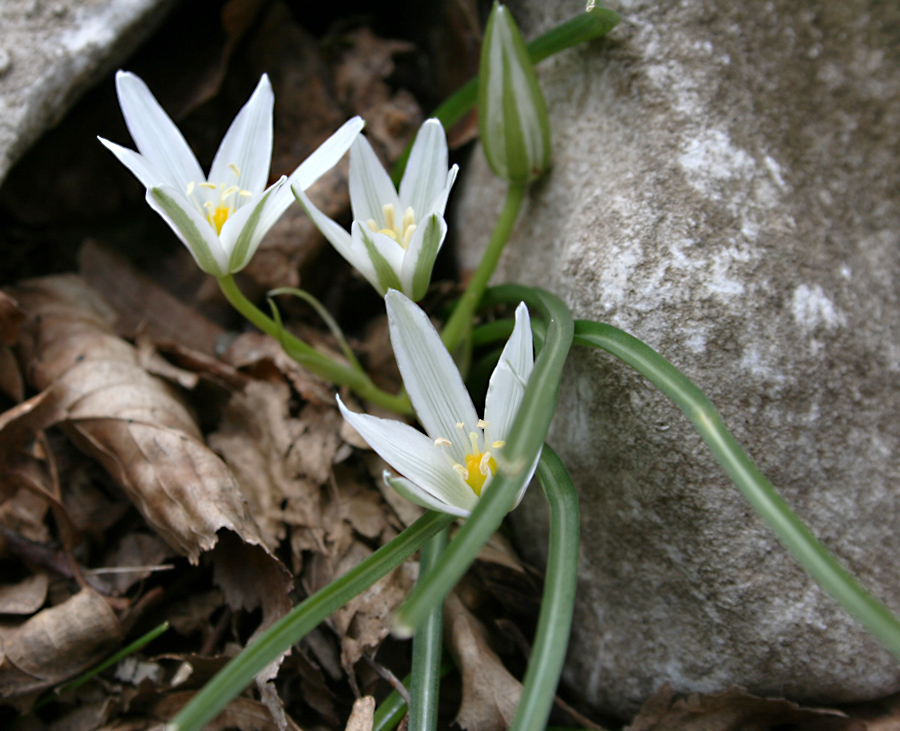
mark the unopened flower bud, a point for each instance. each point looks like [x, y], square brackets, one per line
[512, 113]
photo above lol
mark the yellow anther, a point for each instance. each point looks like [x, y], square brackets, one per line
[497, 445]
[245, 194]
[372, 225]
[408, 234]
[460, 425]
[208, 186]
[442, 442]
[409, 218]
[234, 168]
[190, 188]
[482, 424]
[388, 210]
[480, 467]
[463, 472]
[229, 191]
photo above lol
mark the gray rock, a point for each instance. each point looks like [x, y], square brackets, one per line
[51, 52]
[726, 186]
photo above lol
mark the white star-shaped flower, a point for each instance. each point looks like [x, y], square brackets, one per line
[449, 468]
[222, 217]
[395, 236]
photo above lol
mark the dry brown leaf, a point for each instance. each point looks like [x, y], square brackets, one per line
[242, 713]
[490, 693]
[11, 317]
[133, 423]
[142, 305]
[282, 462]
[364, 621]
[734, 709]
[24, 597]
[55, 645]
[362, 717]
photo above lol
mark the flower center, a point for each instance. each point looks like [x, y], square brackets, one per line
[402, 232]
[479, 466]
[217, 213]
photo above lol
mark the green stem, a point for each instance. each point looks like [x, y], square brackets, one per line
[524, 443]
[589, 25]
[460, 321]
[812, 555]
[427, 646]
[555, 622]
[239, 673]
[309, 357]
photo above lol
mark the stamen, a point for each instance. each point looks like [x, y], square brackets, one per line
[463, 472]
[388, 210]
[190, 189]
[234, 168]
[482, 424]
[372, 225]
[409, 218]
[473, 440]
[497, 445]
[208, 186]
[408, 234]
[442, 442]
[228, 192]
[208, 204]
[460, 425]
[245, 194]
[485, 465]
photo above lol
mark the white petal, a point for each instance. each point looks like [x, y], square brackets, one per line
[426, 169]
[418, 262]
[191, 227]
[439, 204]
[430, 375]
[507, 384]
[248, 143]
[376, 256]
[421, 497]
[527, 482]
[326, 155]
[412, 454]
[370, 186]
[246, 227]
[156, 136]
[140, 167]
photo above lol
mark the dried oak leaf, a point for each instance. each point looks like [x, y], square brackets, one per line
[55, 645]
[133, 423]
[734, 709]
[490, 693]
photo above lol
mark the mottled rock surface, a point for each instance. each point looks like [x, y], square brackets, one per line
[52, 51]
[726, 187]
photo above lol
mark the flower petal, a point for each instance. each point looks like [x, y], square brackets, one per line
[245, 228]
[430, 375]
[136, 163]
[425, 174]
[370, 186]
[326, 155]
[191, 227]
[248, 143]
[507, 384]
[418, 260]
[383, 254]
[413, 455]
[156, 136]
[440, 202]
[421, 497]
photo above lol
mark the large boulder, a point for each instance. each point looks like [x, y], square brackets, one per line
[51, 52]
[726, 187]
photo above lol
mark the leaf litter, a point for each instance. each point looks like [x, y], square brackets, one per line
[159, 460]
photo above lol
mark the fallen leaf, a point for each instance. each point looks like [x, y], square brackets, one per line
[133, 423]
[24, 597]
[490, 693]
[54, 645]
[362, 717]
[734, 709]
[242, 713]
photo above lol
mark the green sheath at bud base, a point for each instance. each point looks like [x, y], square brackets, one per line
[512, 113]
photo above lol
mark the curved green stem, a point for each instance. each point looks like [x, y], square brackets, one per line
[309, 357]
[522, 447]
[460, 321]
[424, 689]
[812, 555]
[552, 636]
[589, 25]
[239, 673]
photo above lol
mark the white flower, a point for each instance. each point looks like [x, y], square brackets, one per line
[394, 238]
[448, 469]
[223, 217]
